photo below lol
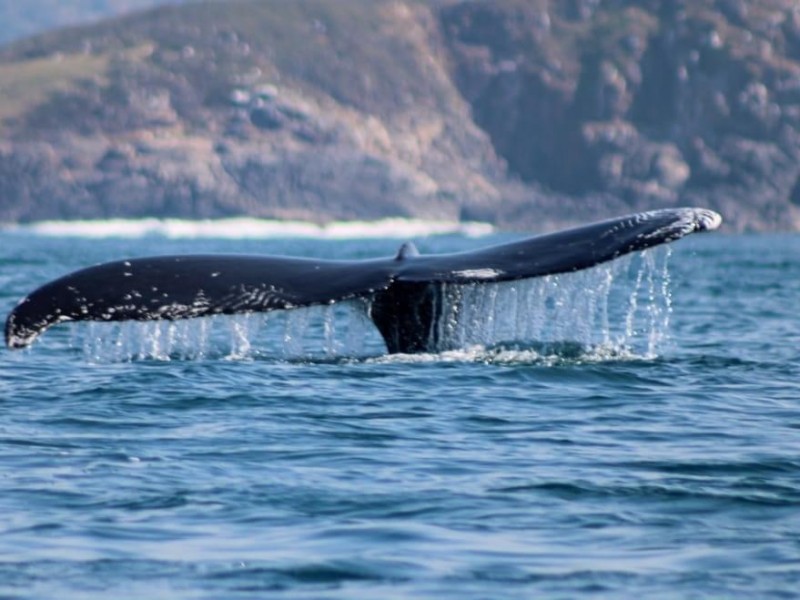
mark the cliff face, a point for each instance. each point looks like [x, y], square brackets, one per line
[651, 102]
[524, 113]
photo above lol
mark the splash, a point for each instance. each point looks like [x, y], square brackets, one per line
[620, 309]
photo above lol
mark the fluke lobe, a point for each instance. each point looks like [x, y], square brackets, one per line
[404, 292]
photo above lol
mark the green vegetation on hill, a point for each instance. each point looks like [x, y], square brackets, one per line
[29, 83]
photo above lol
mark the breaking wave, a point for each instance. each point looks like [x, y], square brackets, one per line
[248, 228]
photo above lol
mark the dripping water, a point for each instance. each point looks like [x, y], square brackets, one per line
[314, 333]
[618, 309]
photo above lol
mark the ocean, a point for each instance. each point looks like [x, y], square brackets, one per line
[630, 431]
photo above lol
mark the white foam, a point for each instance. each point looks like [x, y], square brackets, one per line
[247, 228]
[511, 355]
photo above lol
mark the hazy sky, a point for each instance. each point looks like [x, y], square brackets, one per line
[19, 18]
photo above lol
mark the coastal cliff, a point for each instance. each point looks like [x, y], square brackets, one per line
[526, 114]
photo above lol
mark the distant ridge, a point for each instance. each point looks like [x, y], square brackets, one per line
[526, 115]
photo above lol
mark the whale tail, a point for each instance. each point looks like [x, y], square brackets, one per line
[405, 291]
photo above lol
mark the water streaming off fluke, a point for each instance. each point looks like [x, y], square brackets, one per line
[621, 307]
[616, 309]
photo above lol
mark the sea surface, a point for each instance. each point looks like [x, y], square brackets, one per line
[628, 432]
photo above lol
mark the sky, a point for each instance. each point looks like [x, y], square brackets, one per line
[21, 18]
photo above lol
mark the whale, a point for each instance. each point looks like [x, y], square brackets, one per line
[404, 293]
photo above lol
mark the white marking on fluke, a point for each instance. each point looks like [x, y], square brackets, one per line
[478, 273]
[690, 219]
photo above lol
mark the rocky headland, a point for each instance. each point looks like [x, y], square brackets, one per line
[526, 114]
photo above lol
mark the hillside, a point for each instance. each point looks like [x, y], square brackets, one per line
[526, 113]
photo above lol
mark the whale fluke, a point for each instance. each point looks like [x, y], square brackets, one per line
[404, 290]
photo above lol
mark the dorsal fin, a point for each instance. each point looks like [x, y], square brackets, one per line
[407, 250]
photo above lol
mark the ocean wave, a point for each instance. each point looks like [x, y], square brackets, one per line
[249, 228]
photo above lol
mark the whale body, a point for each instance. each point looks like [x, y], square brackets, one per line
[404, 292]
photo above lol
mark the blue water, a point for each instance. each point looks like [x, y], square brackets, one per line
[644, 443]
